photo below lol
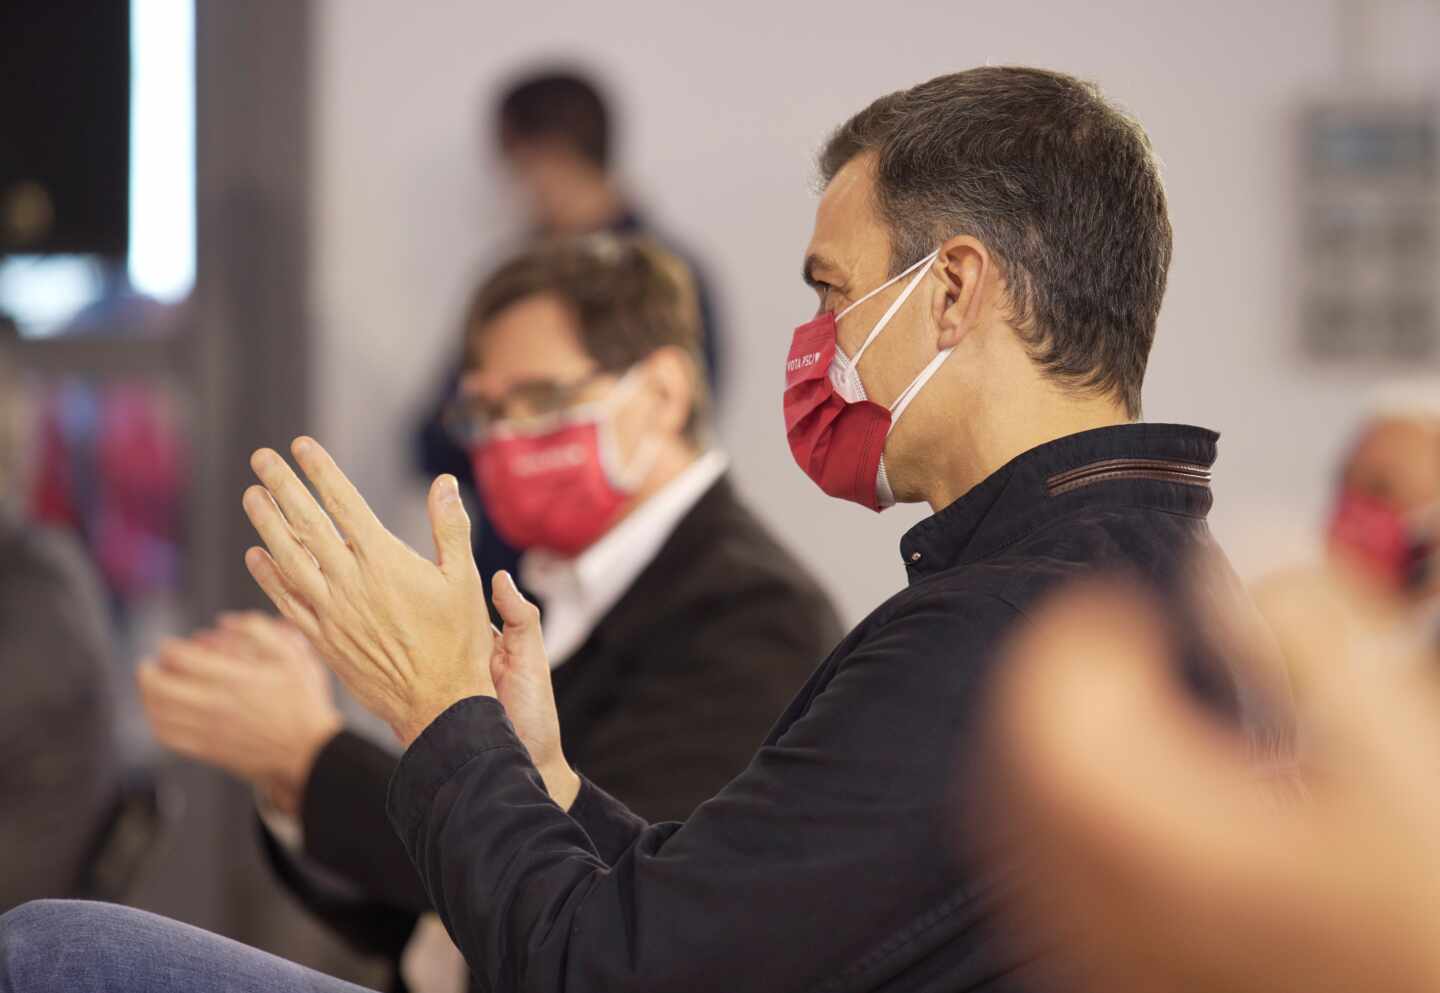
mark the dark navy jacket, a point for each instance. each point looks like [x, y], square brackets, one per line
[836, 860]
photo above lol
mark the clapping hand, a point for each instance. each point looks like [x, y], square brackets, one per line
[407, 636]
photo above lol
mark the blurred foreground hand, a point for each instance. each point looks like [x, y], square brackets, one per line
[1163, 861]
[249, 696]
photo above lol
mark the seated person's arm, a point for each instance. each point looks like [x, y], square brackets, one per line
[836, 837]
[342, 814]
[251, 697]
[827, 859]
[60, 772]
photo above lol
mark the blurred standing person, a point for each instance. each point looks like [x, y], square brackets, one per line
[59, 768]
[555, 132]
[1383, 533]
[1386, 521]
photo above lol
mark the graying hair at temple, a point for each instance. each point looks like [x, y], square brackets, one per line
[1031, 162]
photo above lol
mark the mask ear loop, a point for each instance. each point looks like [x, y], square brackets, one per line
[647, 453]
[917, 384]
[894, 307]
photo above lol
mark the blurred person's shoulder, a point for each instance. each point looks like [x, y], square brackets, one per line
[51, 593]
[45, 557]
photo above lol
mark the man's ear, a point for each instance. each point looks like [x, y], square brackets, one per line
[670, 377]
[963, 267]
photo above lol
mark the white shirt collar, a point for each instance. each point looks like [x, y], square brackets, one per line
[577, 593]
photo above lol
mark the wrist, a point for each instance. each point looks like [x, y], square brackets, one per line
[285, 786]
[562, 783]
[423, 713]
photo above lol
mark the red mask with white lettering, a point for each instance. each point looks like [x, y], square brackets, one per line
[559, 486]
[836, 442]
[836, 433]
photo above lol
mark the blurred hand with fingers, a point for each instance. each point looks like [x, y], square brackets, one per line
[1179, 866]
[249, 696]
[407, 636]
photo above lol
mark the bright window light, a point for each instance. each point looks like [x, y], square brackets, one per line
[43, 293]
[162, 148]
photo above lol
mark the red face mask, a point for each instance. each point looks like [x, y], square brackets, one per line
[1381, 540]
[559, 488]
[836, 434]
[839, 444]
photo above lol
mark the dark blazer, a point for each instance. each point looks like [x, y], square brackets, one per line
[663, 704]
[843, 859]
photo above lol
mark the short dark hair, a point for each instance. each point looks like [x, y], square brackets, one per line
[629, 298]
[557, 106]
[1060, 185]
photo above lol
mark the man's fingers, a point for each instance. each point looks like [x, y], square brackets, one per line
[310, 524]
[179, 717]
[193, 658]
[342, 500]
[291, 557]
[273, 582]
[272, 637]
[521, 637]
[172, 697]
[231, 644]
[450, 525]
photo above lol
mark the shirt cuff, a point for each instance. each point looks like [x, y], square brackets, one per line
[284, 828]
[466, 730]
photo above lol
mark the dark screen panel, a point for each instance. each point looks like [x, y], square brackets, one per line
[64, 126]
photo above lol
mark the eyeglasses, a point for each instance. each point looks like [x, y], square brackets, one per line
[470, 419]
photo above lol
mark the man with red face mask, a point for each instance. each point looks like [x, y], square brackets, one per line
[1382, 538]
[1385, 527]
[678, 628]
[989, 256]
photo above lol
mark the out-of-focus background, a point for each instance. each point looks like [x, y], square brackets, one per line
[283, 205]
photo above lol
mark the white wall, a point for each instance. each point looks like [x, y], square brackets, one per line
[726, 105]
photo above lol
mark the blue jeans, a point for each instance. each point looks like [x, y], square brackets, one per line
[70, 946]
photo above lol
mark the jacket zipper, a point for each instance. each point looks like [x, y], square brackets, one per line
[1155, 470]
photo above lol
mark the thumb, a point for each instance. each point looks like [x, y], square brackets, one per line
[450, 525]
[522, 636]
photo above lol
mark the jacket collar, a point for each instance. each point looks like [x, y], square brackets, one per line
[633, 613]
[1160, 466]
